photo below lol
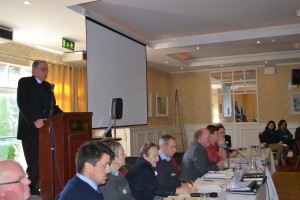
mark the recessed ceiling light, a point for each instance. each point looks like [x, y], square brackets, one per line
[258, 42]
[181, 68]
[222, 65]
[166, 62]
[197, 47]
[26, 2]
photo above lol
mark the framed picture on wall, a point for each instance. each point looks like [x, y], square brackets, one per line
[161, 105]
[295, 103]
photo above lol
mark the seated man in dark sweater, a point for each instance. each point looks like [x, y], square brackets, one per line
[92, 165]
[166, 173]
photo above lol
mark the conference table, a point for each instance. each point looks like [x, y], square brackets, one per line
[266, 191]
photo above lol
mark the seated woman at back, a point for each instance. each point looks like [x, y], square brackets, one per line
[215, 153]
[272, 139]
[286, 137]
[116, 186]
[222, 134]
[142, 180]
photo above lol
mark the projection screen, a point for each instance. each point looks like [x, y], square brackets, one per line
[116, 68]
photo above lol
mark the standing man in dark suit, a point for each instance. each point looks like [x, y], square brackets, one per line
[195, 162]
[34, 96]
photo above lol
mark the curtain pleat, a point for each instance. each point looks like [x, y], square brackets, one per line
[70, 87]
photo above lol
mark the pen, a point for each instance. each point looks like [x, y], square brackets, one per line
[190, 182]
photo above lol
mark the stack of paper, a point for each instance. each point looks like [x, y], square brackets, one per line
[252, 177]
[249, 187]
[218, 175]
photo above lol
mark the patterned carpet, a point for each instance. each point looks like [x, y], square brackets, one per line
[290, 167]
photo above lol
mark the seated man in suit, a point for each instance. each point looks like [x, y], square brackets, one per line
[92, 165]
[195, 162]
[166, 174]
[14, 183]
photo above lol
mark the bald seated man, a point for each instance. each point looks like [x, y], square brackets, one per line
[195, 162]
[14, 184]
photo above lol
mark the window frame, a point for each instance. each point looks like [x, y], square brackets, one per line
[241, 82]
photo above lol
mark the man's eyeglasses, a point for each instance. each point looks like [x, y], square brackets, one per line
[18, 181]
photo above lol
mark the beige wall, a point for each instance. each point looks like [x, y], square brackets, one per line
[274, 97]
[158, 83]
[24, 55]
[193, 88]
[194, 96]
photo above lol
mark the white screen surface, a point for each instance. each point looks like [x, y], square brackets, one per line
[116, 68]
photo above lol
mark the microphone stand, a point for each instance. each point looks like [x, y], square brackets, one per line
[52, 140]
[228, 156]
[115, 128]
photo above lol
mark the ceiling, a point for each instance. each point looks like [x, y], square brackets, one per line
[180, 35]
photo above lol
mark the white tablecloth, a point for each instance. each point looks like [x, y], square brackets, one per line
[266, 192]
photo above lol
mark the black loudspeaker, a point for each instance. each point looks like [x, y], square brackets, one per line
[296, 76]
[116, 108]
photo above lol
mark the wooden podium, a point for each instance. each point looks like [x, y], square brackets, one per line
[70, 131]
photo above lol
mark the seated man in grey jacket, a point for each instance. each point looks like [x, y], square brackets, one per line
[195, 162]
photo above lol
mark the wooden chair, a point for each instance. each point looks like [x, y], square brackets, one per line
[261, 140]
[298, 145]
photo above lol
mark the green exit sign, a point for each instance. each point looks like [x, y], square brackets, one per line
[68, 44]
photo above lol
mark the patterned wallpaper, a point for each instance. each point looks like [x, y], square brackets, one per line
[158, 83]
[274, 97]
[194, 96]
[24, 55]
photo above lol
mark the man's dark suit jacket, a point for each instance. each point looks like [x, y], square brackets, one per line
[34, 101]
[195, 162]
[228, 140]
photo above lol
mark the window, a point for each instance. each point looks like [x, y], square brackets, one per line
[9, 111]
[234, 96]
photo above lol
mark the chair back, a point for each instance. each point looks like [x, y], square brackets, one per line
[260, 137]
[297, 134]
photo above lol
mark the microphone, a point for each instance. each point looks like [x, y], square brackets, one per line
[51, 100]
[211, 194]
[225, 147]
[231, 149]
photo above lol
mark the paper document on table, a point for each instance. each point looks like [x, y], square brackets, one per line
[218, 175]
[246, 186]
[209, 182]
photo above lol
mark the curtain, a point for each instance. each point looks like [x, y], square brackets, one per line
[70, 87]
